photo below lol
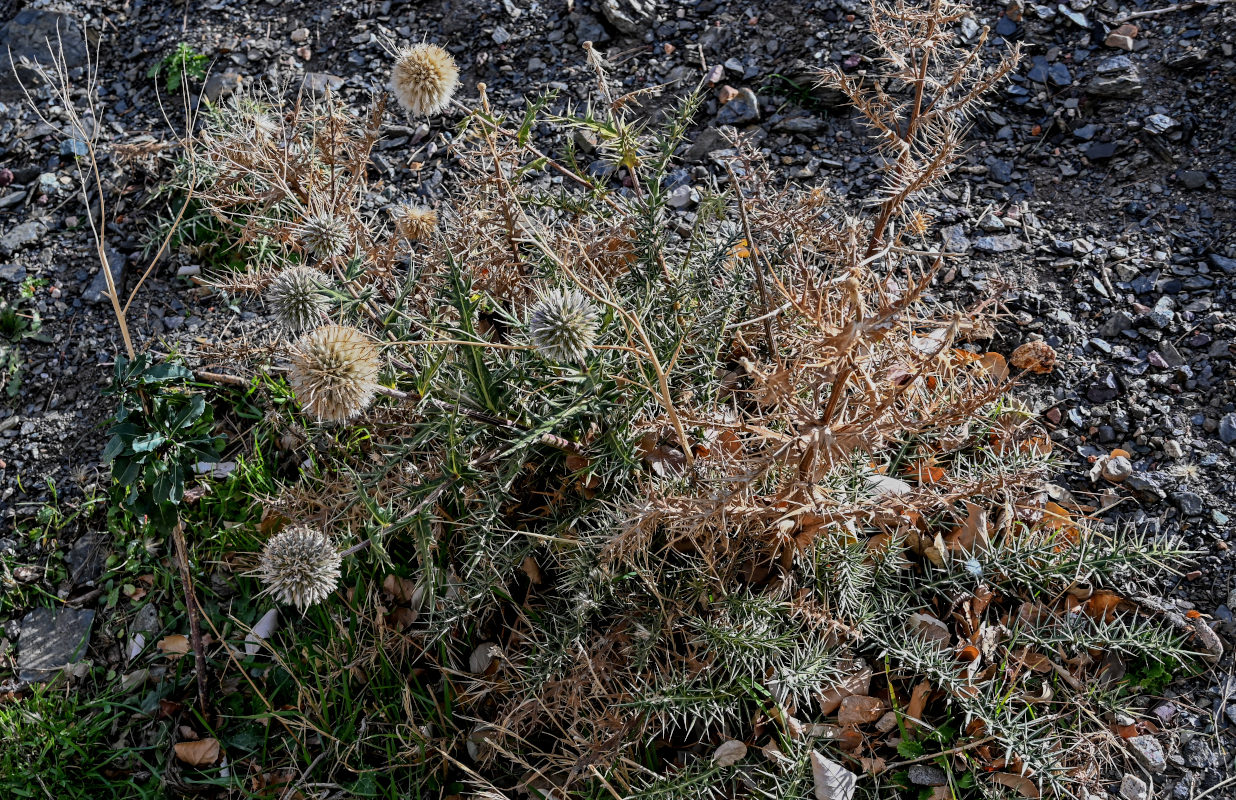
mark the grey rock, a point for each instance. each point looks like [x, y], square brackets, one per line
[803, 125]
[85, 559]
[13, 198]
[1118, 76]
[1159, 124]
[1009, 243]
[743, 109]
[1228, 265]
[50, 640]
[1189, 503]
[1146, 489]
[927, 775]
[97, 291]
[955, 240]
[13, 273]
[1116, 324]
[501, 35]
[1148, 752]
[26, 233]
[1192, 178]
[27, 34]
[682, 197]
[221, 84]
[1227, 428]
[1134, 788]
[628, 16]
[319, 83]
[710, 139]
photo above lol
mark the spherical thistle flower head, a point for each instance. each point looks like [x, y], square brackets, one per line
[299, 566]
[415, 223]
[297, 297]
[324, 235]
[563, 325]
[424, 79]
[334, 372]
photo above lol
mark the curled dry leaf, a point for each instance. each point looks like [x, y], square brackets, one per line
[483, 657]
[858, 710]
[175, 645]
[832, 781]
[995, 366]
[1037, 357]
[1018, 783]
[402, 589]
[198, 754]
[264, 629]
[729, 753]
[858, 682]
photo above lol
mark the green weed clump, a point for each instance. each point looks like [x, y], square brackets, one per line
[628, 506]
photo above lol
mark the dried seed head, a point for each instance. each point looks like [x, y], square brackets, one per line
[324, 235]
[1034, 356]
[415, 223]
[563, 325]
[334, 372]
[297, 298]
[300, 566]
[265, 126]
[424, 78]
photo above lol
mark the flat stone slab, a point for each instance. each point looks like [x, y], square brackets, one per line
[50, 640]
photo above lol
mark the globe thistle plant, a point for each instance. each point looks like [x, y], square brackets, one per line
[334, 372]
[424, 79]
[563, 325]
[300, 566]
[297, 298]
[415, 223]
[324, 235]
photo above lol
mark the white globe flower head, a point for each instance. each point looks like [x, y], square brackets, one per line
[300, 566]
[298, 299]
[563, 325]
[324, 235]
[334, 372]
[424, 79]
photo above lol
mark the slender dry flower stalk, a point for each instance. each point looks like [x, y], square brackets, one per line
[300, 566]
[334, 372]
[424, 79]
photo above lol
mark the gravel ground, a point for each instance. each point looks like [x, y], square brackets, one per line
[1099, 188]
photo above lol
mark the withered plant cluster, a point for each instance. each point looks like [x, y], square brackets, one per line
[694, 510]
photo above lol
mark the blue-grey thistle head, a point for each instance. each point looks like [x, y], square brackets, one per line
[334, 372]
[324, 235]
[298, 299]
[563, 325]
[299, 566]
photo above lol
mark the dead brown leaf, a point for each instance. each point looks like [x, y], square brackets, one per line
[198, 754]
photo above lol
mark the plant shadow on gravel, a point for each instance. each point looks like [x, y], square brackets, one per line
[624, 508]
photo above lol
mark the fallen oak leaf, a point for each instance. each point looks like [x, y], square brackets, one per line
[173, 646]
[198, 754]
